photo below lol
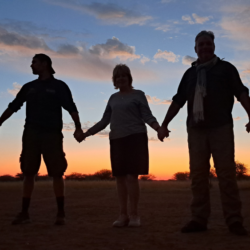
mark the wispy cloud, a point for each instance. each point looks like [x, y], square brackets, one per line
[188, 60]
[16, 88]
[235, 23]
[144, 59]
[157, 101]
[163, 27]
[195, 19]
[167, 55]
[167, 1]
[85, 126]
[108, 12]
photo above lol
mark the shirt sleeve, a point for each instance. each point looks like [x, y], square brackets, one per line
[236, 83]
[67, 99]
[181, 97]
[145, 110]
[18, 102]
[104, 122]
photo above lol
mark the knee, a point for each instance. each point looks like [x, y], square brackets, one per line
[57, 178]
[29, 178]
[120, 179]
[132, 179]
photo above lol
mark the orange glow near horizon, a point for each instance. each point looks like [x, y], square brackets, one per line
[165, 158]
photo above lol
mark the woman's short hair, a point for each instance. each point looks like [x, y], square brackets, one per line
[205, 33]
[124, 69]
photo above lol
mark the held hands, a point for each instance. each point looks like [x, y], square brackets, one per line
[248, 127]
[163, 133]
[79, 135]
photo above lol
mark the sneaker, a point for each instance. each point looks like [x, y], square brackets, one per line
[134, 221]
[237, 228]
[60, 219]
[122, 221]
[21, 218]
[193, 227]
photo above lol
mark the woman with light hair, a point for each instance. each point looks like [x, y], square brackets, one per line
[127, 112]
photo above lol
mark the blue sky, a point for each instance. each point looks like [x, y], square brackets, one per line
[86, 39]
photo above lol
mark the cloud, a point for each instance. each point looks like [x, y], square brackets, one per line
[199, 19]
[85, 126]
[153, 139]
[13, 39]
[108, 12]
[187, 60]
[15, 90]
[144, 60]
[72, 60]
[156, 101]
[163, 27]
[169, 56]
[114, 48]
[235, 23]
[196, 19]
[167, 1]
[245, 75]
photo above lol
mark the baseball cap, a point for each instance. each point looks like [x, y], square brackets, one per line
[43, 57]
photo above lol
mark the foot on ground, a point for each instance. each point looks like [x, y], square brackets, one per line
[21, 218]
[193, 227]
[134, 221]
[60, 219]
[237, 228]
[122, 221]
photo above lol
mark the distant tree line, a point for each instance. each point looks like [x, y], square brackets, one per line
[103, 174]
[241, 173]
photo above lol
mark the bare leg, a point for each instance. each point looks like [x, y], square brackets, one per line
[28, 186]
[133, 193]
[58, 185]
[122, 194]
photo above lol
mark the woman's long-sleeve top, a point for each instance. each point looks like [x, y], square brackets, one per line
[127, 114]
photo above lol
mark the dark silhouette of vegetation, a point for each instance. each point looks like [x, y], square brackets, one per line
[105, 174]
[7, 178]
[181, 176]
[241, 171]
[19, 176]
[148, 177]
[212, 173]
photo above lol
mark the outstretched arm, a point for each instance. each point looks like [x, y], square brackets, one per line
[245, 102]
[6, 115]
[172, 112]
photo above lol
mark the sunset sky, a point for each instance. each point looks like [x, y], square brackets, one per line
[86, 39]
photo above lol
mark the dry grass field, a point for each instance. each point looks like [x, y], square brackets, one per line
[91, 208]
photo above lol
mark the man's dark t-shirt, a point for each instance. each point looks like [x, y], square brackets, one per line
[45, 100]
[223, 83]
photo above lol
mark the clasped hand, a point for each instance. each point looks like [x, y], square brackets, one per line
[163, 133]
[79, 135]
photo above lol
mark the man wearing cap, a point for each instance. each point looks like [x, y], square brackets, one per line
[42, 135]
[209, 88]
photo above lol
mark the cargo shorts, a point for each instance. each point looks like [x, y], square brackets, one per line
[49, 144]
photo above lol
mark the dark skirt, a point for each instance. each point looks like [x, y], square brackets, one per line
[129, 155]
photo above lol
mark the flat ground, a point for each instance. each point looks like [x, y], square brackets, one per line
[92, 207]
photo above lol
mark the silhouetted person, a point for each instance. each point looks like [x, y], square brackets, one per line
[209, 87]
[42, 135]
[127, 111]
